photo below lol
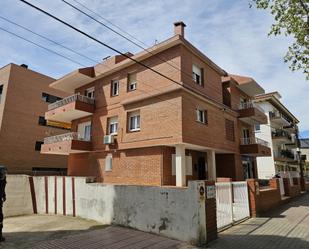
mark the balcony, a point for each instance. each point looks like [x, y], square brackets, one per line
[73, 107]
[279, 119]
[285, 156]
[65, 144]
[251, 114]
[281, 136]
[253, 146]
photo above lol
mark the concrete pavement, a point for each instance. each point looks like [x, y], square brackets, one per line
[46, 232]
[284, 228]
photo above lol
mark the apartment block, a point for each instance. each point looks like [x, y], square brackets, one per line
[304, 149]
[131, 125]
[24, 97]
[280, 132]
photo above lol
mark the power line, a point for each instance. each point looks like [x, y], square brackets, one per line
[190, 89]
[116, 26]
[51, 51]
[100, 42]
[40, 46]
[46, 38]
[118, 33]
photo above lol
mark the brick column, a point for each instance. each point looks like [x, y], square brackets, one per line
[302, 184]
[287, 187]
[254, 192]
[274, 183]
[211, 213]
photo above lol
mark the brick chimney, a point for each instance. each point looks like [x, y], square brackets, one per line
[179, 28]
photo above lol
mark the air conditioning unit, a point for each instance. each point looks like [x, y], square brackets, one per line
[108, 139]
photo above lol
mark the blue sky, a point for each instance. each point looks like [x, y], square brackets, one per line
[229, 32]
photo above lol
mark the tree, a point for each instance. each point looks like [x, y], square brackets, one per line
[291, 18]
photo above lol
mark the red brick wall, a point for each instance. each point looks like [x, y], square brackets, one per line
[139, 166]
[291, 190]
[263, 200]
[211, 215]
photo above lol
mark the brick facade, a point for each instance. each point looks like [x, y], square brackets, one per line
[20, 108]
[168, 117]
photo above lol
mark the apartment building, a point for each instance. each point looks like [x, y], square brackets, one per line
[133, 126]
[280, 132]
[24, 97]
[304, 149]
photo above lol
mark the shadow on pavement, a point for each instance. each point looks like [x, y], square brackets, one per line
[257, 242]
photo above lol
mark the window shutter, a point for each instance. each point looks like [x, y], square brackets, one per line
[206, 117]
[197, 115]
[202, 77]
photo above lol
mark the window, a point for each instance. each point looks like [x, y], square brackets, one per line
[115, 87]
[42, 121]
[229, 130]
[109, 162]
[132, 81]
[197, 74]
[134, 121]
[38, 145]
[201, 116]
[84, 131]
[113, 125]
[245, 136]
[50, 98]
[257, 127]
[90, 93]
[1, 90]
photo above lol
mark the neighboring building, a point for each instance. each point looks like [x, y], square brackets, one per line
[280, 132]
[133, 126]
[24, 97]
[304, 149]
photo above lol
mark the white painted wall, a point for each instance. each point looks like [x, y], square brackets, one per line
[18, 196]
[174, 212]
[266, 165]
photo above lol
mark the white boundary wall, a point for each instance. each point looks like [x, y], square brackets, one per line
[18, 195]
[174, 212]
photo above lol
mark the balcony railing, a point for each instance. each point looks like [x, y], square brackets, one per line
[285, 154]
[281, 133]
[65, 137]
[276, 114]
[70, 99]
[253, 140]
[247, 105]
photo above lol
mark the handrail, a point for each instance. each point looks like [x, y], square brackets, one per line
[281, 133]
[64, 137]
[70, 99]
[277, 114]
[249, 104]
[253, 140]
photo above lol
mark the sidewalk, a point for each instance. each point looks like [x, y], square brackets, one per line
[49, 232]
[287, 227]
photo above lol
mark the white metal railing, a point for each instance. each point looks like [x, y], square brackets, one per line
[70, 99]
[66, 137]
[249, 104]
[290, 175]
[253, 140]
[232, 203]
[277, 114]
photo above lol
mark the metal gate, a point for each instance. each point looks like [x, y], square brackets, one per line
[232, 203]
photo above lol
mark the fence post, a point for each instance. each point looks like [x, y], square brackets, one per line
[231, 198]
[254, 192]
[211, 211]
